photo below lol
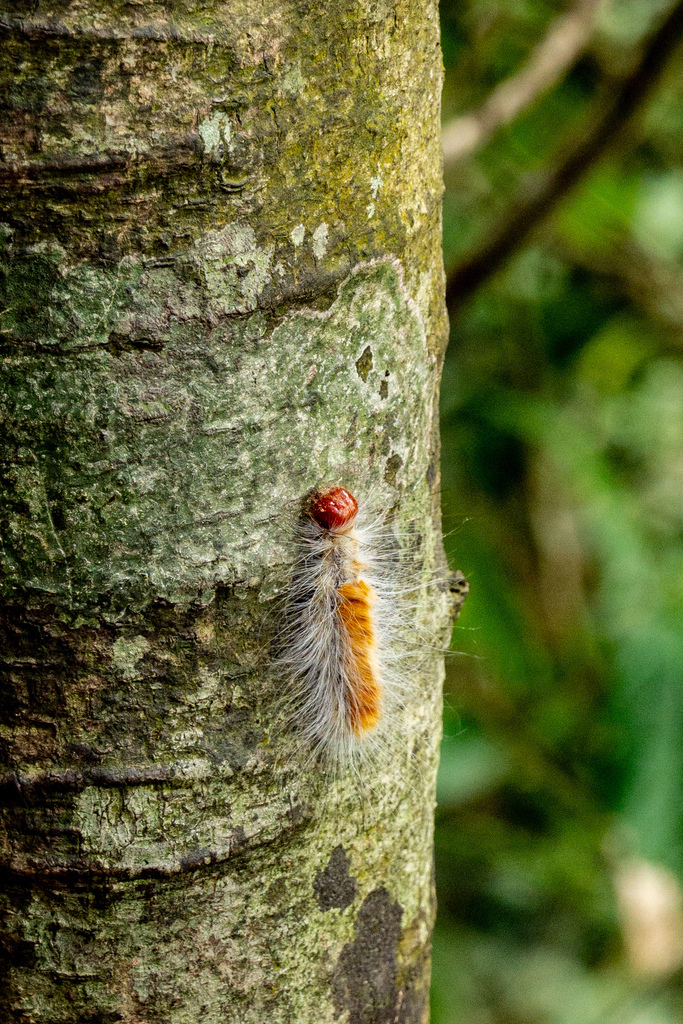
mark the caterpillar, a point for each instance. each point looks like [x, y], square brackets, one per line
[344, 641]
[341, 622]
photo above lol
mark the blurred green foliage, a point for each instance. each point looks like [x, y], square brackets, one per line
[562, 431]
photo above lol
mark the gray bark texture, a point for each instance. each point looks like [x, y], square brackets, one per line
[221, 287]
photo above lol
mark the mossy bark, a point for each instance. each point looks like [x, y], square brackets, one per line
[222, 286]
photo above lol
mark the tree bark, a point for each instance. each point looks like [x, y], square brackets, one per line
[222, 286]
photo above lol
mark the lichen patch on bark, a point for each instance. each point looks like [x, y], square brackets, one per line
[189, 453]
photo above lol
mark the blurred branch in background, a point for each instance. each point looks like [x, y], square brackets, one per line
[563, 44]
[652, 284]
[541, 198]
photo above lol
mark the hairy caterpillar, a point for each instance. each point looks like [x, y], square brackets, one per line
[334, 630]
[343, 636]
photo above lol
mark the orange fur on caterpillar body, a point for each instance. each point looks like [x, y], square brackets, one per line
[357, 601]
[338, 611]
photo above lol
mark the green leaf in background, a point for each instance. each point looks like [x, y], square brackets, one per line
[562, 469]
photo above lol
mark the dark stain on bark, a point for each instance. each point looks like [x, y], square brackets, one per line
[364, 981]
[85, 81]
[433, 470]
[394, 463]
[334, 886]
[364, 363]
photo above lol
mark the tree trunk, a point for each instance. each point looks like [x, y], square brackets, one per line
[222, 287]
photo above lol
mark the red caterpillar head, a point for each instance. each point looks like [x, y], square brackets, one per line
[334, 508]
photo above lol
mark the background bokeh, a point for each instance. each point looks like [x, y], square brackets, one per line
[559, 861]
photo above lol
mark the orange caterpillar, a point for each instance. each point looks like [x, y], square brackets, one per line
[337, 614]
